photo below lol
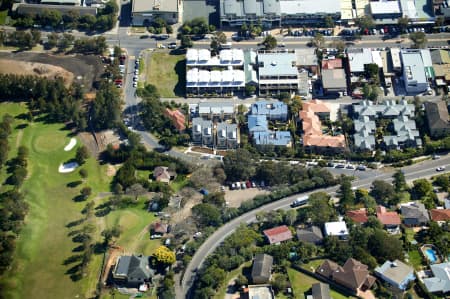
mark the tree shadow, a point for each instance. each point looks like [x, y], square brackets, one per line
[79, 248]
[103, 212]
[180, 87]
[22, 116]
[74, 232]
[74, 223]
[73, 184]
[99, 248]
[79, 198]
[21, 126]
[73, 259]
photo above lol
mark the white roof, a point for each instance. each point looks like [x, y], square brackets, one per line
[204, 78]
[357, 58]
[202, 57]
[192, 55]
[426, 58]
[291, 7]
[385, 7]
[376, 57]
[192, 76]
[337, 228]
[395, 55]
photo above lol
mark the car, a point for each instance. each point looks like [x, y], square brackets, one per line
[361, 168]
[238, 185]
[172, 45]
[282, 45]
[340, 166]
[300, 201]
[134, 84]
[243, 185]
[155, 237]
[436, 157]
[253, 185]
[350, 166]
[440, 168]
[197, 235]
[248, 184]
[136, 72]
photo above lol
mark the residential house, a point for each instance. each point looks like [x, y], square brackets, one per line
[202, 132]
[320, 290]
[202, 59]
[333, 76]
[217, 83]
[440, 216]
[177, 117]
[358, 216]
[357, 59]
[440, 282]
[311, 234]
[396, 273]
[216, 110]
[143, 12]
[390, 220]
[337, 228]
[159, 228]
[353, 275]
[262, 291]
[278, 234]
[132, 271]
[277, 73]
[414, 71]
[262, 268]
[437, 118]
[163, 174]
[307, 60]
[441, 66]
[273, 110]
[262, 136]
[313, 137]
[227, 136]
[414, 214]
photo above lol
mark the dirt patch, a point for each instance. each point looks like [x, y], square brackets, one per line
[236, 197]
[111, 171]
[85, 69]
[88, 140]
[113, 254]
[34, 68]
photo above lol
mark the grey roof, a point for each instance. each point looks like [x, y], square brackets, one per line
[357, 58]
[134, 267]
[306, 57]
[249, 7]
[155, 6]
[441, 280]
[415, 210]
[271, 109]
[396, 271]
[257, 123]
[440, 56]
[226, 131]
[437, 115]
[249, 61]
[216, 108]
[200, 125]
[61, 2]
[277, 64]
[413, 66]
[334, 78]
[321, 291]
[262, 266]
[312, 234]
[278, 138]
[388, 108]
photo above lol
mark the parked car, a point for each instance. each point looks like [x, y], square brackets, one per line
[340, 166]
[172, 45]
[248, 184]
[243, 186]
[361, 167]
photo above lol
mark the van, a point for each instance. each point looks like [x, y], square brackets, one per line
[299, 201]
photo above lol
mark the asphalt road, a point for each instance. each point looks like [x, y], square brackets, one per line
[420, 170]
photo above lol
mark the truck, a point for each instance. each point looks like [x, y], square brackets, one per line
[299, 201]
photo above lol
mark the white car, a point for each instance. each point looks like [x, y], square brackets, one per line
[440, 168]
[134, 84]
[136, 72]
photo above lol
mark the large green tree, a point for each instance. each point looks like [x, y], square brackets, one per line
[419, 39]
[239, 165]
[270, 42]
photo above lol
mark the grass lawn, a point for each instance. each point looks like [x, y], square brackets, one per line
[312, 265]
[38, 270]
[230, 275]
[3, 16]
[301, 285]
[179, 182]
[415, 259]
[168, 73]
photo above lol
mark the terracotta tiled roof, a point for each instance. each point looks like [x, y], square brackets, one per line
[331, 64]
[359, 216]
[278, 234]
[387, 217]
[178, 118]
[440, 214]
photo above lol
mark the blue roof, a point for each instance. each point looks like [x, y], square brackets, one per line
[257, 123]
[280, 138]
[269, 108]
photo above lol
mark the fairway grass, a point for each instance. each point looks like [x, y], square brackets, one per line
[168, 73]
[38, 270]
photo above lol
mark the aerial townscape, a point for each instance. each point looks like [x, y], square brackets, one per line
[225, 149]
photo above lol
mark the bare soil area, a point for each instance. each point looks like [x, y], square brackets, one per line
[236, 197]
[84, 69]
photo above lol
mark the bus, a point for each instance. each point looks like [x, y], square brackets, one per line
[299, 201]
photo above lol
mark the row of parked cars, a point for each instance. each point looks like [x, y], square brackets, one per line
[312, 32]
[246, 185]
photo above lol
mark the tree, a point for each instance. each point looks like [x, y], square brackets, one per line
[321, 210]
[239, 165]
[110, 233]
[346, 195]
[186, 42]
[136, 190]
[81, 155]
[207, 214]
[85, 192]
[399, 181]
[83, 173]
[421, 188]
[280, 283]
[240, 281]
[318, 41]
[385, 247]
[403, 23]
[328, 22]
[443, 182]
[419, 39]
[372, 72]
[164, 255]
[270, 42]
[365, 22]
[382, 191]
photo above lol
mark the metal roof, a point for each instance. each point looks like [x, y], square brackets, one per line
[277, 64]
[155, 6]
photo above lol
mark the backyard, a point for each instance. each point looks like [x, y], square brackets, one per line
[167, 72]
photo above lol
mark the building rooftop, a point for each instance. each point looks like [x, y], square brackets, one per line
[441, 280]
[336, 228]
[215, 108]
[396, 271]
[440, 56]
[278, 234]
[203, 58]
[306, 57]
[277, 64]
[277, 138]
[260, 291]
[437, 115]
[204, 78]
[155, 5]
[440, 214]
[413, 66]
[359, 216]
[329, 64]
[387, 217]
[311, 234]
[334, 78]
[357, 58]
[257, 123]
[262, 266]
[270, 109]
[316, 7]
[385, 7]
[415, 210]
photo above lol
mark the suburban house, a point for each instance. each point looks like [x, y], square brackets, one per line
[143, 12]
[273, 110]
[320, 290]
[357, 59]
[277, 73]
[202, 132]
[313, 137]
[262, 268]
[311, 234]
[358, 216]
[177, 117]
[258, 291]
[227, 136]
[337, 228]
[259, 130]
[414, 74]
[441, 66]
[278, 234]
[333, 76]
[216, 110]
[353, 275]
[132, 270]
[277, 13]
[402, 124]
[162, 174]
[307, 60]
[159, 228]
[390, 220]
[437, 118]
[440, 282]
[440, 215]
[414, 214]
[396, 273]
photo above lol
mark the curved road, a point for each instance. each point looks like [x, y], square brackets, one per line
[420, 170]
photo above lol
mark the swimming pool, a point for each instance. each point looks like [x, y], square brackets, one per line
[431, 255]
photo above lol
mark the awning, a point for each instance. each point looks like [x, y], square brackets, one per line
[440, 82]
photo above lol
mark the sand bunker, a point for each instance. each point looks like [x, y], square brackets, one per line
[69, 167]
[71, 144]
